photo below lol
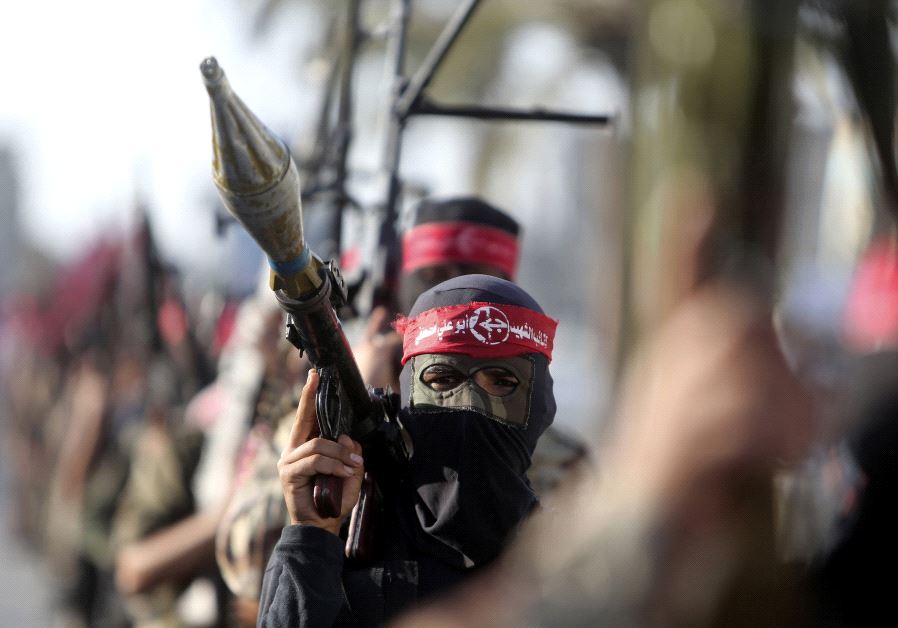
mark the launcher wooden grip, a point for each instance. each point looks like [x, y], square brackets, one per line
[328, 495]
[361, 525]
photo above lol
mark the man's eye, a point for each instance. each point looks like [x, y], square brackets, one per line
[442, 378]
[496, 381]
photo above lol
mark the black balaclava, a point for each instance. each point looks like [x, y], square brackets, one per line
[464, 210]
[469, 487]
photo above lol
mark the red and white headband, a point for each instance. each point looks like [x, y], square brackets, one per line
[478, 329]
[465, 242]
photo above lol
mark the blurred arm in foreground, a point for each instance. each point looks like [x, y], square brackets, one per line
[679, 528]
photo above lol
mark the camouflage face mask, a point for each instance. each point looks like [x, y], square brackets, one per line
[512, 408]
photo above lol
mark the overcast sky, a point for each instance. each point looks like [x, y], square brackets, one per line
[102, 100]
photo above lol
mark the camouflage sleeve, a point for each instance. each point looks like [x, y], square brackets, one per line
[303, 581]
[254, 519]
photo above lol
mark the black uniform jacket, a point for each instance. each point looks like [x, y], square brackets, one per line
[308, 582]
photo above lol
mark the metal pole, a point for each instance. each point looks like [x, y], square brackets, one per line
[435, 57]
[396, 122]
[313, 166]
[378, 290]
[343, 131]
[537, 114]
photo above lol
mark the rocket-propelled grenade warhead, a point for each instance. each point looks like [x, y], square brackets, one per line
[259, 184]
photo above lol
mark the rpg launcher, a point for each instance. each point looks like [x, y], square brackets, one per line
[259, 184]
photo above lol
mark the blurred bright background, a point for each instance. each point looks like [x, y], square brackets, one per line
[103, 115]
[104, 110]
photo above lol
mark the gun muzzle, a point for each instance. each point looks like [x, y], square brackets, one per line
[259, 184]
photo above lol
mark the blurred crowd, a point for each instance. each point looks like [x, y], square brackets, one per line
[733, 488]
[110, 388]
[143, 428]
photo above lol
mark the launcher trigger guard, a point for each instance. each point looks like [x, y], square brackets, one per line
[328, 403]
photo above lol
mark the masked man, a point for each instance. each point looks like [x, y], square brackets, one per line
[448, 237]
[476, 395]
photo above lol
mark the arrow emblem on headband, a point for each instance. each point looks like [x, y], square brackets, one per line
[491, 319]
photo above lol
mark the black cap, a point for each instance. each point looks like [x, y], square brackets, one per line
[465, 209]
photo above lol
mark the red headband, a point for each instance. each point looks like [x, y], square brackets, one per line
[478, 329]
[465, 242]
